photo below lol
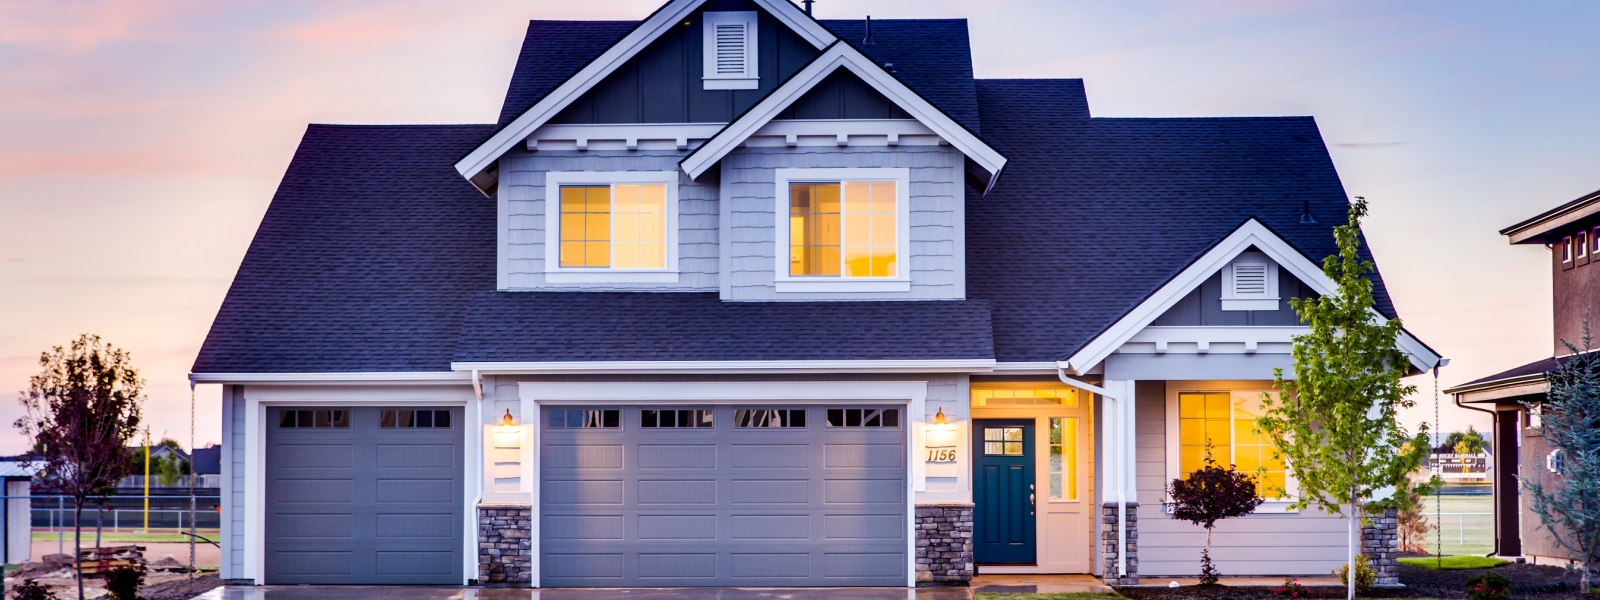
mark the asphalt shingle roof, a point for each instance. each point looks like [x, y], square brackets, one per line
[365, 259]
[632, 326]
[1093, 215]
[552, 52]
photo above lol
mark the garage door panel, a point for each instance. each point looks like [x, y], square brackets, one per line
[315, 456]
[583, 456]
[315, 563]
[292, 491]
[324, 525]
[417, 490]
[677, 527]
[770, 456]
[678, 456]
[864, 491]
[583, 527]
[864, 527]
[863, 565]
[770, 565]
[407, 456]
[583, 565]
[678, 566]
[770, 491]
[409, 563]
[864, 456]
[784, 527]
[578, 492]
[677, 491]
[416, 525]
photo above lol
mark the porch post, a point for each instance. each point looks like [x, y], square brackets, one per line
[1119, 510]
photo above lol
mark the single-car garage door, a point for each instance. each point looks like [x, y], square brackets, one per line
[728, 495]
[364, 495]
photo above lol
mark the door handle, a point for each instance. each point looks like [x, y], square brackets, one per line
[1032, 505]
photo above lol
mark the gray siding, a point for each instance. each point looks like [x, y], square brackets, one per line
[1308, 543]
[842, 95]
[522, 199]
[937, 244]
[233, 482]
[1203, 306]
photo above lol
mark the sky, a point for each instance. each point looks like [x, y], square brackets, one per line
[140, 142]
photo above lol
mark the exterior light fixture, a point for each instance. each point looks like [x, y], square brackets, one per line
[938, 419]
[507, 421]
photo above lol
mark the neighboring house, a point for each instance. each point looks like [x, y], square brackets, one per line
[1572, 233]
[732, 296]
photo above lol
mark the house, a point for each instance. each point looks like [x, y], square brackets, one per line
[735, 296]
[1572, 233]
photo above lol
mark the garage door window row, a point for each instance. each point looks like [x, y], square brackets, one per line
[675, 418]
[743, 418]
[315, 419]
[414, 419]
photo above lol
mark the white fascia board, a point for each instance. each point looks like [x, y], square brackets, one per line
[586, 78]
[443, 377]
[976, 365]
[841, 55]
[1251, 233]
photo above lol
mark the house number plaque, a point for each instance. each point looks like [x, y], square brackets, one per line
[941, 455]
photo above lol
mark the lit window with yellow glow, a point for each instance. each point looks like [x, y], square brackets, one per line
[620, 226]
[1024, 396]
[1227, 422]
[1063, 458]
[843, 229]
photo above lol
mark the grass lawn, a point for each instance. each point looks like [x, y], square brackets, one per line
[126, 537]
[1058, 596]
[1453, 562]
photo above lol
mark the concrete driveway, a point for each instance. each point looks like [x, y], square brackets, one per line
[1012, 584]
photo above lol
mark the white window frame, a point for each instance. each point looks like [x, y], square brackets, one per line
[1232, 300]
[751, 77]
[1566, 249]
[1582, 240]
[785, 283]
[555, 273]
[1174, 441]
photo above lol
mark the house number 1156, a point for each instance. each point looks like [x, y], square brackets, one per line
[942, 455]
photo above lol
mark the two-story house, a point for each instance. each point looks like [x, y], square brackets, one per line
[735, 296]
[1572, 234]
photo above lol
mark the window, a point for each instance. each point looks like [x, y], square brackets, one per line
[674, 418]
[769, 418]
[1583, 244]
[578, 418]
[614, 227]
[319, 419]
[1063, 458]
[863, 417]
[1594, 238]
[1556, 462]
[846, 230]
[1002, 441]
[1566, 249]
[1226, 421]
[1025, 396]
[730, 61]
[1250, 282]
[419, 419]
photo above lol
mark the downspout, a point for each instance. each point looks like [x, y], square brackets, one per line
[1122, 500]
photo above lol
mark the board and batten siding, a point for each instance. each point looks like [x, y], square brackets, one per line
[937, 244]
[233, 483]
[522, 208]
[1307, 543]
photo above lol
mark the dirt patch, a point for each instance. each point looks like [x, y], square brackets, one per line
[180, 589]
[157, 585]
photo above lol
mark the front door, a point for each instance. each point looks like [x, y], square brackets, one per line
[1004, 494]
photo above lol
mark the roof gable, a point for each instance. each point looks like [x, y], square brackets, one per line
[551, 53]
[931, 56]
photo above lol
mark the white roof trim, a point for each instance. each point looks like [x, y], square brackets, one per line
[845, 56]
[446, 377]
[474, 165]
[978, 365]
[1251, 233]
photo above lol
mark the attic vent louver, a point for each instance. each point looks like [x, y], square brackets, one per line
[1249, 279]
[1250, 282]
[730, 51]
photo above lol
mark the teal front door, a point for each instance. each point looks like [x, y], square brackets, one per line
[1003, 515]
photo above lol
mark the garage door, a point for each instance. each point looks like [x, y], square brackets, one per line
[364, 495]
[738, 496]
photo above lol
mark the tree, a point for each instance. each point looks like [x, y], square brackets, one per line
[1414, 526]
[1334, 423]
[81, 411]
[1470, 442]
[1569, 506]
[1208, 495]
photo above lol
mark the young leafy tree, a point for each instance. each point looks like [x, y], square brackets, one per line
[1569, 507]
[81, 411]
[1208, 495]
[1334, 423]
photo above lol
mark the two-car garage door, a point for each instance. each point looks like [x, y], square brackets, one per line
[689, 496]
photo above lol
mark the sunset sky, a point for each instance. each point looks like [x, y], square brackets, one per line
[140, 142]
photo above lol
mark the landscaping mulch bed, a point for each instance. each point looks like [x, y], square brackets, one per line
[1527, 581]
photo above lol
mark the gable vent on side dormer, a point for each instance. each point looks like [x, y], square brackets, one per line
[730, 51]
[1250, 282]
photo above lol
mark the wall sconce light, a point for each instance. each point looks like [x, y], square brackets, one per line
[507, 421]
[938, 419]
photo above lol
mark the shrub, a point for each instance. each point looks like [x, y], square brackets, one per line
[1489, 586]
[1365, 576]
[122, 583]
[31, 590]
[1292, 589]
[1208, 495]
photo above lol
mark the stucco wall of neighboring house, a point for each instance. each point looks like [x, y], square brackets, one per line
[1308, 543]
[1537, 540]
[233, 484]
[1575, 289]
[522, 217]
[937, 196]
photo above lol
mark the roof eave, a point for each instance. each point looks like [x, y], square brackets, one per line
[1535, 229]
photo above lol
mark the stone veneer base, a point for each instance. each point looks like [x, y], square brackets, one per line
[944, 544]
[1380, 543]
[505, 545]
[1108, 512]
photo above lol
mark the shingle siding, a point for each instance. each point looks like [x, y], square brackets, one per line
[522, 186]
[935, 263]
[233, 491]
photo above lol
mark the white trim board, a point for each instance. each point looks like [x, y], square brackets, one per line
[409, 377]
[914, 394]
[972, 365]
[837, 56]
[1251, 234]
[477, 165]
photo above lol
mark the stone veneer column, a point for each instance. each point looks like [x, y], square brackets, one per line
[505, 545]
[1380, 543]
[944, 543]
[1108, 513]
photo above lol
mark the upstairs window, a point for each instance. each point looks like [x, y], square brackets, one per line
[1250, 282]
[1566, 251]
[846, 229]
[611, 227]
[1582, 242]
[730, 51]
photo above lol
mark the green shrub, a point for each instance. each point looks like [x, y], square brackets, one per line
[122, 583]
[1489, 586]
[31, 590]
[1365, 576]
